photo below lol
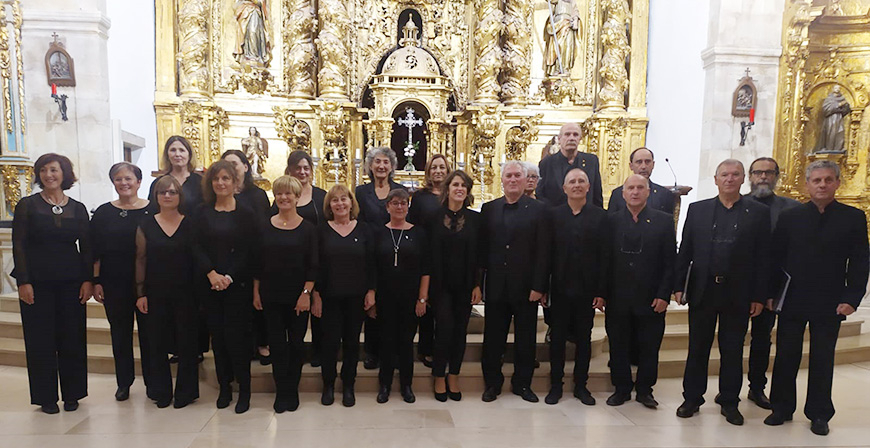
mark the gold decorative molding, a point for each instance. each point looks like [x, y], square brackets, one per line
[300, 61]
[5, 69]
[489, 53]
[297, 133]
[518, 138]
[202, 125]
[193, 46]
[332, 44]
[616, 48]
[13, 175]
[517, 37]
[19, 56]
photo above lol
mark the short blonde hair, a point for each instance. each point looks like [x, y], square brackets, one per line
[336, 191]
[287, 183]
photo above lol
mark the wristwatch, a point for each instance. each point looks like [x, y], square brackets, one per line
[423, 299]
[305, 291]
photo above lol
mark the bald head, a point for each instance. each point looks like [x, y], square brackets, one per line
[635, 191]
[576, 184]
[569, 137]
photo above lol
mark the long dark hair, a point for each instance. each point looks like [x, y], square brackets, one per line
[215, 168]
[167, 165]
[248, 181]
[469, 185]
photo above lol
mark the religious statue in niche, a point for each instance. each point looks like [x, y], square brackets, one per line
[832, 136]
[253, 46]
[562, 33]
[59, 67]
[745, 98]
[256, 149]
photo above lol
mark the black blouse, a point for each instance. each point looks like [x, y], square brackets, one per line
[347, 264]
[225, 241]
[255, 198]
[312, 211]
[399, 273]
[44, 244]
[454, 240]
[288, 259]
[113, 236]
[372, 209]
[166, 263]
[425, 205]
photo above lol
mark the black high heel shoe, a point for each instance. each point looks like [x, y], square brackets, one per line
[442, 396]
[455, 396]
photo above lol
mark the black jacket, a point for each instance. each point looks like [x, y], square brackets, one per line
[555, 167]
[749, 271]
[371, 209]
[593, 249]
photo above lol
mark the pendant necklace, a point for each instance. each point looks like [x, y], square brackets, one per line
[123, 213]
[396, 246]
[55, 208]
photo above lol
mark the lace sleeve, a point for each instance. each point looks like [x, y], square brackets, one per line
[140, 262]
[20, 229]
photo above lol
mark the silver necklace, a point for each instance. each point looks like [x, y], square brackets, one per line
[123, 213]
[55, 208]
[396, 246]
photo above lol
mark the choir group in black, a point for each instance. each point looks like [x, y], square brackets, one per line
[206, 260]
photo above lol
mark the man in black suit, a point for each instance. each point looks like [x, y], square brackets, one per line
[641, 279]
[513, 253]
[555, 167]
[763, 176]
[642, 162]
[725, 241]
[823, 246]
[580, 251]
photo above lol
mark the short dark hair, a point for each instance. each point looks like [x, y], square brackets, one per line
[248, 181]
[631, 156]
[164, 182]
[765, 159]
[116, 168]
[167, 165]
[215, 168]
[400, 193]
[295, 157]
[466, 179]
[66, 167]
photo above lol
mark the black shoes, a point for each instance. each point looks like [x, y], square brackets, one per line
[776, 419]
[122, 394]
[454, 395]
[554, 395]
[244, 402]
[732, 415]
[178, 404]
[315, 360]
[328, 395]
[758, 397]
[293, 402]
[347, 397]
[426, 360]
[819, 427]
[525, 393]
[585, 397]
[441, 396]
[647, 400]
[618, 399]
[164, 403]
[383, 394]
[491, 393]
[70, 406]
[173, 359]
[688, 409]
[370, 363]
[280, 406]
[225, 397]
[50, 408]
[408, 394]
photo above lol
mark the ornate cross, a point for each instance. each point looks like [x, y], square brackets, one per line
[410, 122]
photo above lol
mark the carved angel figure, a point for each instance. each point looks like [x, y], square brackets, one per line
[256, 149]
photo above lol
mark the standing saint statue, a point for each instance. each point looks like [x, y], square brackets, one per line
[253, 41]
[561, 37]
[256, 149]
[832, 137]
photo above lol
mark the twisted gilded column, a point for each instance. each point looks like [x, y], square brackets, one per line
[515, 77]
[614, 41]
[193, 47]
[334, 52]
[488, 51]
[299, 54]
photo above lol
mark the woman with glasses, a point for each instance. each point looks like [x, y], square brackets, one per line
[402, 260]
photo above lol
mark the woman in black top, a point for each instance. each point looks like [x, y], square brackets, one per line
[310, 208]
[225, 239]
[54, 283]
[380, 165]
[425, 204]
[282, 288]
[164, 287]
[402, 260]
[455, 280]
[253, 197]
[178, 161]
[346, 288]
[113, 235]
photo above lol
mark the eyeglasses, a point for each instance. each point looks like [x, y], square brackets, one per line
[632, 243]
[399, 203]
[763, 172]
[167, 193]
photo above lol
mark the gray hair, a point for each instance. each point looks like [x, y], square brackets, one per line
[729, 162]
[116, 168]
[823, 165]
[515, 163]
[380, 151]
[532, 168]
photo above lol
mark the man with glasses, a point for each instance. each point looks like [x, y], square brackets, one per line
[642, 161]
[763, 176]
[724, 261]
[639, 289]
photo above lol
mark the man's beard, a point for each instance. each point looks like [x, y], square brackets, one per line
[761, 191]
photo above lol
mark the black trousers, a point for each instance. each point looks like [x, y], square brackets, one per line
[759, 349]
[172, 325]
[259, 328]
[644, 330]
[342, 322]
[229, 320]
[426, 334]
[451, 311]
[317, 337]
[398, 323]
[55, 343]
[286, 343]
[120, 304]
[733, 322]
[497, 319]
[372, 341]
[789, 344]
[566, 313]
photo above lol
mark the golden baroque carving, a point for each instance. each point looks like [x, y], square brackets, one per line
[11, 186]
[254, 80]
[5, 68]
[489, 53]
[299, 55]
[191, 124]
[487, 124]
[16, 26]
[558, 91]
[193, 46]
[517, 51]
[518, 138]
[333, 123]
[198, 119]
[332, 42]
[616, 48]
[219, 121]
[295, 132]
[615, 128]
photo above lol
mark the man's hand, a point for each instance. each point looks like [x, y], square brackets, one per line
[25, 293]
[535, 296]
[476, 295]
[770, 304]
[369, 300]
[317, 305]
[258, 303]
[598, 303]
[844, 309]
[303, 303]
[142, 304]
[98, 293]
[678, 297]
[86, 292]
[755, 309]
[659, 305]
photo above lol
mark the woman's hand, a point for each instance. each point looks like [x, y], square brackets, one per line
[370, 300]
[317, 305]
[303, 303]
[142, 304]
[421, 308]
[98, 293]
[258, 303]
[218, 282]
[25, 293]
[476, 295]
[86, 292]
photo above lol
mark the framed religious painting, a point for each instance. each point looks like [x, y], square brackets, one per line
[745, 98]
[59, 65]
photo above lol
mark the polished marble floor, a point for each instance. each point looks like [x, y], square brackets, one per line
[506, 423]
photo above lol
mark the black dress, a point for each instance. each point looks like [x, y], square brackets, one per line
[425, 206]
[255, 199]
[399, 274]
[164, 274]
[47, 258]
[347, 272]
[288, 260]
[113, 235]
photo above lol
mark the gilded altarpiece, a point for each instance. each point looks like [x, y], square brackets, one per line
[496, 78]
[16, 168]
[826, 47]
